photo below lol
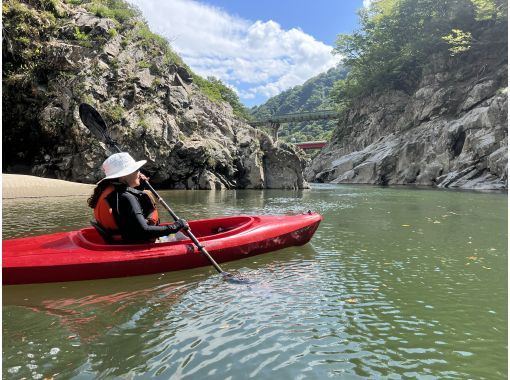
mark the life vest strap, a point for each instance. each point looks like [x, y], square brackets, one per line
[109, 236]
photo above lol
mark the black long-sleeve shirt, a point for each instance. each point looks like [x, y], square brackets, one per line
[131, 208]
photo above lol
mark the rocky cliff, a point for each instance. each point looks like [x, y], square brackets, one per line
[450, 132]
[57, 55]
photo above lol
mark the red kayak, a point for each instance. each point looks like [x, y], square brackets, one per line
[83, 255]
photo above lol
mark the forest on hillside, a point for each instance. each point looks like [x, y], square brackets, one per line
[313, 95]
[396, 40]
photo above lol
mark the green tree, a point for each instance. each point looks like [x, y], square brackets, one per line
[397, 38]
[217, 91]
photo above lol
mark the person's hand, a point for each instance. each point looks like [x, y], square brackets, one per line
[143, 177]
[182, 224]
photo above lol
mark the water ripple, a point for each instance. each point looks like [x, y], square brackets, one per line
[382, 291]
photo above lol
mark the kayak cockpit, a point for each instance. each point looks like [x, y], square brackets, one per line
[205, 229]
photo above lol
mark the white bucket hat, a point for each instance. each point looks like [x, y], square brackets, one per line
[119, 165]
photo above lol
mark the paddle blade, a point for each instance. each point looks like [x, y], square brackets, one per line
[230, 278]
[94, 122]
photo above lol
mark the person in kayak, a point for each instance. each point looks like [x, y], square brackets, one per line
[123, 213]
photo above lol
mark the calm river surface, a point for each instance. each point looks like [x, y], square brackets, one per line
[396, 283]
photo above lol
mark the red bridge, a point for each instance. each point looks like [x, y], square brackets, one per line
[311, 145]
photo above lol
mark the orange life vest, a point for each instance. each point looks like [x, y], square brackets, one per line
[103, 212]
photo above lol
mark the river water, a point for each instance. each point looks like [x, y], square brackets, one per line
[396, 283]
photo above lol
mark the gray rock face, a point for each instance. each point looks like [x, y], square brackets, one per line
[452, 132]
[153, 110]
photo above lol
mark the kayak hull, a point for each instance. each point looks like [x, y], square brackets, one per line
[82, 255]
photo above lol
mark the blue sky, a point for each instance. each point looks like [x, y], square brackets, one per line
[259, 48]
[322, 19]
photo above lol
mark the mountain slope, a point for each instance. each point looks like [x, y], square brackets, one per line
[313, 95]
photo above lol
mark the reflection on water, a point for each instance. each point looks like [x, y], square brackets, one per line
[396, 283]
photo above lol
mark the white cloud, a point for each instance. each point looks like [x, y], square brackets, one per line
[368, 3]
[255, 58]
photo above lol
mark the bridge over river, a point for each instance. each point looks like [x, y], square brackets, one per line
[274, 122]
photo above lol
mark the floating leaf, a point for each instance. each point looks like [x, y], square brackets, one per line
[472, 257]
[352, 300]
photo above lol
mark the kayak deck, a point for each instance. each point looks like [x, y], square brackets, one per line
[83, 255]
[202, 229]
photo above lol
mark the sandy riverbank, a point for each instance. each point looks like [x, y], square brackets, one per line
[26, 186]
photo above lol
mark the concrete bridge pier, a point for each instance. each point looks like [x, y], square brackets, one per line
[275, 127]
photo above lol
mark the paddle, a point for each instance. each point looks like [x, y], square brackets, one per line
[95, 123]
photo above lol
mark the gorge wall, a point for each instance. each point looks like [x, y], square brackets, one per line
[450, 132]
[68, 55]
